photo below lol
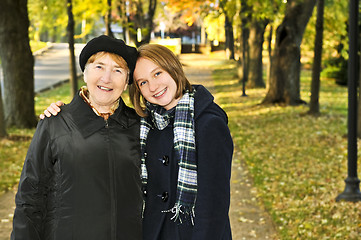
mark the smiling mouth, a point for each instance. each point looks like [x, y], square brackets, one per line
[160, 93]
[105, 88]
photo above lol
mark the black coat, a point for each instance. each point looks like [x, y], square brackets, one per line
[80, 178]
[214, 148]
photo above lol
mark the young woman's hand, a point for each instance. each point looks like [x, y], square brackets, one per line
[53, 109]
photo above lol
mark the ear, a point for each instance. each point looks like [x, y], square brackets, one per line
[85, 75]
[125, 87]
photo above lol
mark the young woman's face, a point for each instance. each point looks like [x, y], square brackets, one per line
[106, 81]
[155, 84]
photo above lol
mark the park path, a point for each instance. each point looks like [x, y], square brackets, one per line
[249, 220]
[51, 66]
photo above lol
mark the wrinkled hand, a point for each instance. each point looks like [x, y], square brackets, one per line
[53, 109]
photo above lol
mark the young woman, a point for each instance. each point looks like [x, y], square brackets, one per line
[186, 151]
[80, 178]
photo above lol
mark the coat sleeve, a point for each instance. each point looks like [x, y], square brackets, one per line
[214, 152]
[30, 199]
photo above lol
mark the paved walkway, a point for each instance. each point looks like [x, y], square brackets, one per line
[7, 206]
[248, 218]
[51, 67]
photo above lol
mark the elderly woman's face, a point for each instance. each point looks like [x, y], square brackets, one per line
[106, 81]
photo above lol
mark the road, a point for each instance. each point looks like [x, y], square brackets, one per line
[51, 67]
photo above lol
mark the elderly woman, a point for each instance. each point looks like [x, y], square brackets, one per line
[80, 178]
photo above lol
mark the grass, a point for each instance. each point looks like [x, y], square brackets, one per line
[37, 45]
[44, 99]
[298, 162]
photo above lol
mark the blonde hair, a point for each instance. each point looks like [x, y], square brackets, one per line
[116, 58]
[166, 60]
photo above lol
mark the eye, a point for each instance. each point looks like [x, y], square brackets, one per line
[157, 74]
[97, 66]
[141, 83]
[118, 70]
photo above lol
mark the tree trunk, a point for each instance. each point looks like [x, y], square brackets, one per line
[359, 100]
[245, 20]
[144, 21]
[286, 66]
[108, 20]
[359, 104]
[255, 69]
[316, 69]
[70, 29]
[149, 20]
[229, 37]
[2, 120]
[17, 63]
[270, 37]
[123, 13]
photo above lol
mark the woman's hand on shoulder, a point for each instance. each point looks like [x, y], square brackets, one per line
[53, 109]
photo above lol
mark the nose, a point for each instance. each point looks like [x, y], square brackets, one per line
[153, 85]
[106, 77]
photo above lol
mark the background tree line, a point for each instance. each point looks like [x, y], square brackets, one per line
[246, 27]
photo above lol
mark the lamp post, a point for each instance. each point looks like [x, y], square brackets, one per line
[139, 35]
[352, 188]
[127, 37]
[244, 57]
[162, 29]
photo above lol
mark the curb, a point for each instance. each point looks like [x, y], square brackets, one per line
[41, 51]
[57, 84]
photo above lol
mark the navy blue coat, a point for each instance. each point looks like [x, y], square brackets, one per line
[214, 155]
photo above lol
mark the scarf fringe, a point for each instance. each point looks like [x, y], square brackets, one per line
[177, 211]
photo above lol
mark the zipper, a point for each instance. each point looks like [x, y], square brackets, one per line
[113, 207]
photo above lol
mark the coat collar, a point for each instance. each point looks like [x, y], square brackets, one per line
[88, 122]
[204, 102]
[203, 98]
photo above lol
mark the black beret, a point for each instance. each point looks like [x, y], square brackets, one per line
[105, 43]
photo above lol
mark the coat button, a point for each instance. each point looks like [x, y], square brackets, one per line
[144, 192]
[165, 160]
[165, 196]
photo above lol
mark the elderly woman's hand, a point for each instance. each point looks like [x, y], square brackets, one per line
[53, 109]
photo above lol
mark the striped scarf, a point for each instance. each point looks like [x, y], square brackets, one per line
[185, 149]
